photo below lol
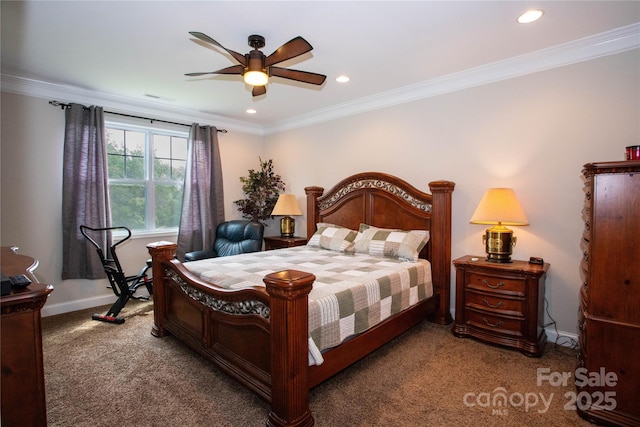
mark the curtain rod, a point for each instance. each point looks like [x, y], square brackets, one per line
[63, 106]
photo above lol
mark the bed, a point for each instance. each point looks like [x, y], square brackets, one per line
[260, 335]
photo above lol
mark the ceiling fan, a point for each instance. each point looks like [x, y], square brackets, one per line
[256, 68]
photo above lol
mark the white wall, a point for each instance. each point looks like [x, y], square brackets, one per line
[532, 133]
[31, 197]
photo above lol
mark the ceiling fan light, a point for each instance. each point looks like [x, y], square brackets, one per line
[256, 78]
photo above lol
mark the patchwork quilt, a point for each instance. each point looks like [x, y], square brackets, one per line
[352, 292]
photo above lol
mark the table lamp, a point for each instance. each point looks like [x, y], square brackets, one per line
[499, 207]
[287, 205]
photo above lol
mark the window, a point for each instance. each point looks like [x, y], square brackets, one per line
[146, 176]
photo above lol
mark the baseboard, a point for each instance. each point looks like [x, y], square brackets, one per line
[67, 307]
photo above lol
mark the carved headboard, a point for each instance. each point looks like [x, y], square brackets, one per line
[386, 201]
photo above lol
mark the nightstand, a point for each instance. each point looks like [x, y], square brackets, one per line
[501, 303]
[279, 242]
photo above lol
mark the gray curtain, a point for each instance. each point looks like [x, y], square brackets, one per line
[85, 190]
[203, 200]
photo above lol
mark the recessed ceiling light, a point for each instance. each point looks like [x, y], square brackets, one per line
[530, 16]
[251, 111]
[342, 79]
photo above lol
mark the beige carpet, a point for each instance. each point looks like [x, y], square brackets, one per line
[100, 374]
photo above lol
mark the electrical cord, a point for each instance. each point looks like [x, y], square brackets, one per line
[566, 342]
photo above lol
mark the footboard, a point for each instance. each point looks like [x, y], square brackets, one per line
[258, 336]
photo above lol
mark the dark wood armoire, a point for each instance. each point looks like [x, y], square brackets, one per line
[608, 375]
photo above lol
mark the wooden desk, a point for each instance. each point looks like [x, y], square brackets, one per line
[22, 393]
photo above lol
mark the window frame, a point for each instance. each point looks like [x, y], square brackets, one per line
[149, 183]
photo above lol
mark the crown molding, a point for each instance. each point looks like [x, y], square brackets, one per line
[607, 43]
[120, 104]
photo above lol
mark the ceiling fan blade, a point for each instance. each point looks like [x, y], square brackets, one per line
[199, 74]
[301, 76]
[234, 69]
[291, 49]
[238, 57]
[259, 90]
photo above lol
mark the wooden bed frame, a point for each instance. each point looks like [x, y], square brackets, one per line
[260, 335]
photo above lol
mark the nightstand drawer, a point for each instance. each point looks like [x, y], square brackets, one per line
[493, 283]
[499, 324]
[494, 302]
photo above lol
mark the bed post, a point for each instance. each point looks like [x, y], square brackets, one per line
[441, 247]
[289, 319]
[160, 252]
[312, 208]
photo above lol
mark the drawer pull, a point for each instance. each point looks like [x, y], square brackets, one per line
[493, 325]
[498, 305]
[486, 282]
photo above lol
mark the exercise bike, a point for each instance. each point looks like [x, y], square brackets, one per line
[122, 285]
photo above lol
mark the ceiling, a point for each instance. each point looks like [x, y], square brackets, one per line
[133, 49]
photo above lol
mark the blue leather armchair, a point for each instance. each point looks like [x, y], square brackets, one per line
[232, 238]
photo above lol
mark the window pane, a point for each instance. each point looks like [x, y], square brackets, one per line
[162, 146]
[115, 141]
[179, 148]
[178, 170]
[134, 167]
[168, 205]
[135, 143]
[162, 170]
[115, 165]
[128, 205]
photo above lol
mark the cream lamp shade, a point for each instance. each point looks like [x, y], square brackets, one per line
[499, 207]
[287, 206]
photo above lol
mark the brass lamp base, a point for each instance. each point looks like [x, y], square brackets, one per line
[499, 242]
[287, 226]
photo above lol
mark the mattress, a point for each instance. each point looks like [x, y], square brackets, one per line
[352, 292]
